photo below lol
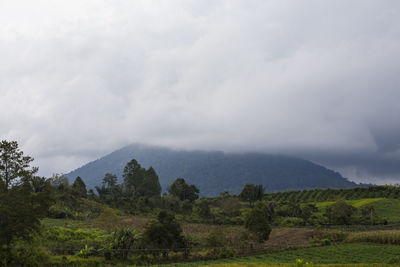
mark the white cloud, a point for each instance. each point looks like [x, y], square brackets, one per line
[81, 78]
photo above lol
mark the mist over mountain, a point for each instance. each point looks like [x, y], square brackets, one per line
[215, 172]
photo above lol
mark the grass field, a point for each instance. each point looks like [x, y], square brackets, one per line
[386, 208]
[335, 254]
[356, 203]
[388, 237]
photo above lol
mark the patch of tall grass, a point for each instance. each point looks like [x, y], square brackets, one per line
[391, 237]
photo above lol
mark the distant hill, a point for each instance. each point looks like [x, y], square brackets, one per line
[215, 172]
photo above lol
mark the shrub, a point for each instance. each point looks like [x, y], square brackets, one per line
[123, 240]
[257, 222]
[108, 220]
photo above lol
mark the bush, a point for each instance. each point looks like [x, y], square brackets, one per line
[123, 241]
[257, 221]
[29, 255]
[58, 211]
[61, 240]
[108, 220]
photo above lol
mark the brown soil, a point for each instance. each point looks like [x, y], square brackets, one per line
[134, 222]
[284, 237]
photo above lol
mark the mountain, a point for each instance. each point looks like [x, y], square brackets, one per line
[215, 172]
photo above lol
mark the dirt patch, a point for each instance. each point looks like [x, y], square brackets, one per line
[134, 222]
[284, 237]
[199, 230]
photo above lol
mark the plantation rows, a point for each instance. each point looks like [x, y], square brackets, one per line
[318, 195]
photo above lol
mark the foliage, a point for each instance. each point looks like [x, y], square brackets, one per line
[252, 193]
[28, 255]
[110, 193]
[139, 181]
[215, 243]
[343, 255]
[110, 180]
[231, 206]
[64, 241]
[340, 213]
[369, 194]
[108, 220]
[180, 189]
[123, 240]
[203, 210]
[80, 187]
[14, 166]
[24, 199]
[258, 222]
[165, 233]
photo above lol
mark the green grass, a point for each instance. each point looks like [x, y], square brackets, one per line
[356, 203]
[388, 209]
[335, 254]
[67, 223]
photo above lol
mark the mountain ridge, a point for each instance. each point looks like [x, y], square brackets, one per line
[215, 171]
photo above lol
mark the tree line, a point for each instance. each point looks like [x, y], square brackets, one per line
[329, 194]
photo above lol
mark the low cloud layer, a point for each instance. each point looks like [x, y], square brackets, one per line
[319, 80]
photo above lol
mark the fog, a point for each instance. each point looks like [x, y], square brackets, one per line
[314, 79]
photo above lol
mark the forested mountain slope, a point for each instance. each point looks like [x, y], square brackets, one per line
[215, 172]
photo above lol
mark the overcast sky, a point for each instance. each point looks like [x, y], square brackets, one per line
[315, 79]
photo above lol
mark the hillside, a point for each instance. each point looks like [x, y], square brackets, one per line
[214, 172]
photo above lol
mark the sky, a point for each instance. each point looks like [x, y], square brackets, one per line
[314, 79]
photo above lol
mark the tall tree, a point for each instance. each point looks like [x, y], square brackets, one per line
[151, 185]
[164, 234]
[80, 187]
[14, 166]
[183, 191]
[257, 221]
[24, 198]
[133, 177]
[141, 182]
[252, 193]
[109, 180]
[340, 213]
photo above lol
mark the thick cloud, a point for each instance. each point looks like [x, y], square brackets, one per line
[315, 79]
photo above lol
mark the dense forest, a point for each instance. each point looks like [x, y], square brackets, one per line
[57, 222]
[232, 171]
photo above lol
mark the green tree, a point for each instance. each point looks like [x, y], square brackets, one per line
[110, 180]
[340, 213]
[80, 187]
[203, 209]
[133, 177]
[257, 221]
[24, 198]
[140, 182]
[150, 186]
[252, 193]
[123, 241]
[164, 233]
[368, 214]
[183, 191]
[14, 166]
